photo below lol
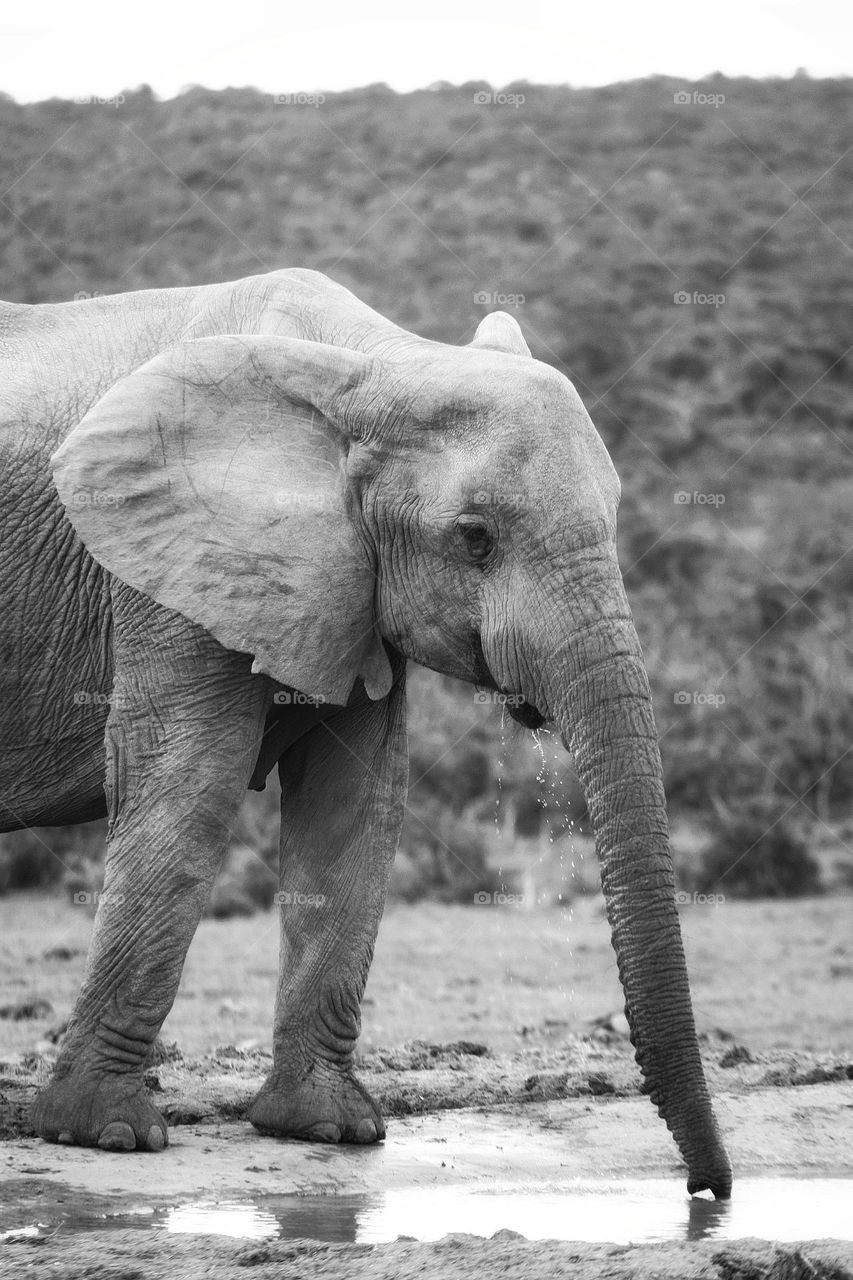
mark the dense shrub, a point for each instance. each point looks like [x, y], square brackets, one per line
[49, 856]
[443, 856]
[757, 853]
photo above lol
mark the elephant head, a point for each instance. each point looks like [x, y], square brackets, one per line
[306, 503]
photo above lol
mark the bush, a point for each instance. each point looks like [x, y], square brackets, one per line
[42, 857]
[757, 854]
[245, 884]
[443, 856]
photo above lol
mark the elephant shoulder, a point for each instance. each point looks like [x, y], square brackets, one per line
[298, 302]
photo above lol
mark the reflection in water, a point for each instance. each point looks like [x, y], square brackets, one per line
[616, 1212]
[706, 1219]
[330, 1218]
[619, 1212]
[245, 1221]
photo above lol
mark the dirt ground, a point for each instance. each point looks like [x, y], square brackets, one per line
[493, 1040]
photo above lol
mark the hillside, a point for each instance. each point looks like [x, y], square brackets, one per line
[687, 264]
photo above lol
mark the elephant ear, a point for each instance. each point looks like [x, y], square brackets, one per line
[214, 480]
[499, 331]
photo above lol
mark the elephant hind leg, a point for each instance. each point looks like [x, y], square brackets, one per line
[182, 738]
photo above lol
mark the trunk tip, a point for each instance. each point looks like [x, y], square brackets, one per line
[720, 1185]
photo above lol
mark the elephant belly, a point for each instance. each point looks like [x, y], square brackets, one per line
[52, 785]
[55, 669]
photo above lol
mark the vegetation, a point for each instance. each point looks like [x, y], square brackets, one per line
[687, 264]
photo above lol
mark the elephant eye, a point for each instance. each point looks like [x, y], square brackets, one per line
[478, 538]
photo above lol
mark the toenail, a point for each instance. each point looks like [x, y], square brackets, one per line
[325, 1132]
[365, 1131]
[156, 1138]
[117, 1137]
[67, 1137]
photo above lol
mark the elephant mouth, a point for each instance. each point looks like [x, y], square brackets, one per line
[520, 710]
[524, 712]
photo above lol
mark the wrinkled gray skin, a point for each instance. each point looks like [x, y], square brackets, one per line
[197, 525]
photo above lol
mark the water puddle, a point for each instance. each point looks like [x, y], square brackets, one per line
[618, 1211]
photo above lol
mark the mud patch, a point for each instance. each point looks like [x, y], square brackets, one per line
[421, 1078]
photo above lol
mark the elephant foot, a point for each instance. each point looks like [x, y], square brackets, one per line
[111, 1112]
[320, 1107]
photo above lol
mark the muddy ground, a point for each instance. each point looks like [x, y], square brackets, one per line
[494, 1043]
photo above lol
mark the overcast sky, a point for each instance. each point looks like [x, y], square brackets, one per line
[53, 47]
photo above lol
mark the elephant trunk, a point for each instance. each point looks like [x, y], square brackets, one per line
[600, 698]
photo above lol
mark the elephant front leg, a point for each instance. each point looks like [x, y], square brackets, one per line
[182, 738]
[343, 793]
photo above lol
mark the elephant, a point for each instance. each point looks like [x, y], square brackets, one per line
[232, 514]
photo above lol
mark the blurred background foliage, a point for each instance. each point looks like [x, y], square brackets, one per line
[729, 420]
